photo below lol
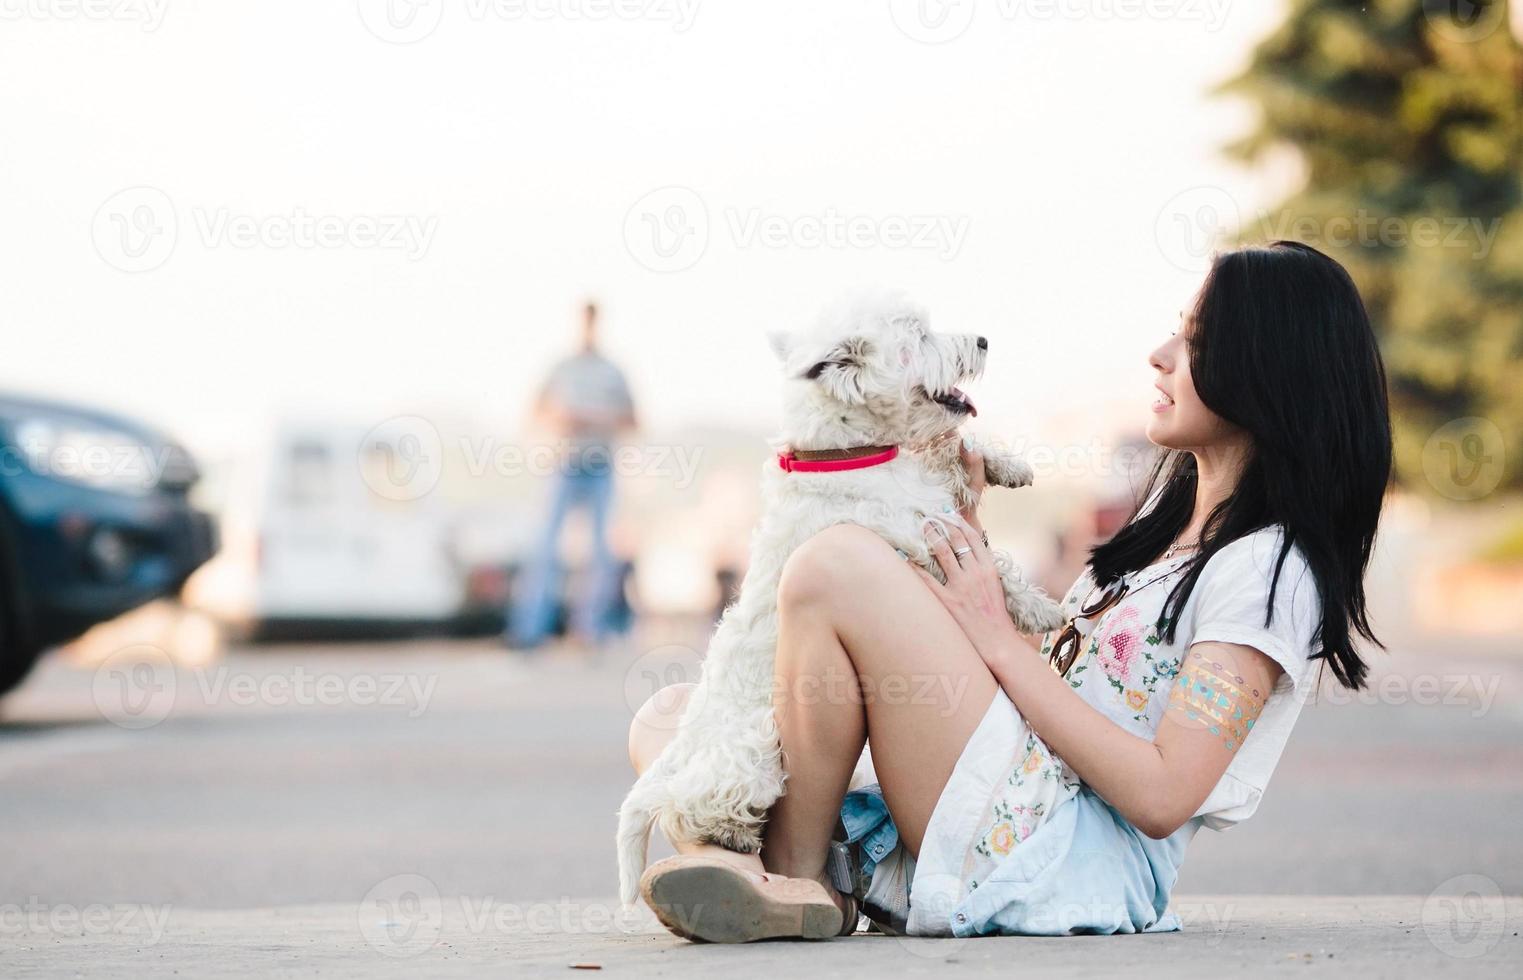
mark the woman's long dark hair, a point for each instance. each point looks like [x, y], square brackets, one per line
[1280, 346]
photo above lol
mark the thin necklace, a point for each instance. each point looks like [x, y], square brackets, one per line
[1176, 548]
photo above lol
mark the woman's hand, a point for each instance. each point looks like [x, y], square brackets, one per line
[973, 463]
[973, 593]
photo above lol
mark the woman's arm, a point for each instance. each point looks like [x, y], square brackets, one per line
[1156, 785]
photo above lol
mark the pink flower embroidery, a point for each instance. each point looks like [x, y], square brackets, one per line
[1120, 643]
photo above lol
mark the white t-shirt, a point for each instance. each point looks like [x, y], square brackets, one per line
[1126, 666]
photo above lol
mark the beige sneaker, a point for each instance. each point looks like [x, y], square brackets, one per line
[711, 900]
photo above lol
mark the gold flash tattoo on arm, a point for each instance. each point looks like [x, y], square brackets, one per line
[1212, 695]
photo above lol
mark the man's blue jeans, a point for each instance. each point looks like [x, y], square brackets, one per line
[533, 614]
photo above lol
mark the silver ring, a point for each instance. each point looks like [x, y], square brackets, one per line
[959, 552]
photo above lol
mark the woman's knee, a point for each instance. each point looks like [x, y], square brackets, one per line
[830, 561]
[656, 723]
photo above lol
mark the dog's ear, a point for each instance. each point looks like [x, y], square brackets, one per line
[840, 372]
[781, 343]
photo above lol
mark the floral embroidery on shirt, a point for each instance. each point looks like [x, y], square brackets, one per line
[1013, 824]
[1036, 781]
[1118, 640]
[1124, 651]
[1125, 668]
[1132, 669]
[1122, 647]
[1156, 669]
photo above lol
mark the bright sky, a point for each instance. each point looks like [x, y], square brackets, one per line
[1031, 159]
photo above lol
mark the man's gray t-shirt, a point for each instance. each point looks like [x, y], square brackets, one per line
[592, 391]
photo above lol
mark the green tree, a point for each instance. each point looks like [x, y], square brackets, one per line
[1407, 116]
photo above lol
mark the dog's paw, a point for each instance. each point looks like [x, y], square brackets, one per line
[1034, 612]
[1004, 469]
[736, 837]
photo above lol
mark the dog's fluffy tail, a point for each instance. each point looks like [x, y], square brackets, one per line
[636, 817]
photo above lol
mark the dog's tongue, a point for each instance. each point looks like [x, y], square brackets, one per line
[972, 408]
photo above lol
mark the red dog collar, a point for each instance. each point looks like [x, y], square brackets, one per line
[821, 461]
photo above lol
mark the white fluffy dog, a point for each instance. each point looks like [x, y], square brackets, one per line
[868, 379]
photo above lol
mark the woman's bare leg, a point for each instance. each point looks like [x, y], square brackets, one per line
[865, 650]
[654, 726]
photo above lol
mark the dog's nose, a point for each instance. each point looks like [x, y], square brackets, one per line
[983, 343]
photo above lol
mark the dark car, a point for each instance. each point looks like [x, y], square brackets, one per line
[94, 522]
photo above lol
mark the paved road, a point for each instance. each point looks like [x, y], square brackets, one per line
[1376, 936]
[290, 776]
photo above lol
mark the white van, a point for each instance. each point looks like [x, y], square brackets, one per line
[310, 540]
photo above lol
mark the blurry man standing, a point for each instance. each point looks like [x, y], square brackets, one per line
[586, 403]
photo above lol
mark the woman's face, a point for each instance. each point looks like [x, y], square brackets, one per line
[1180, 420]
